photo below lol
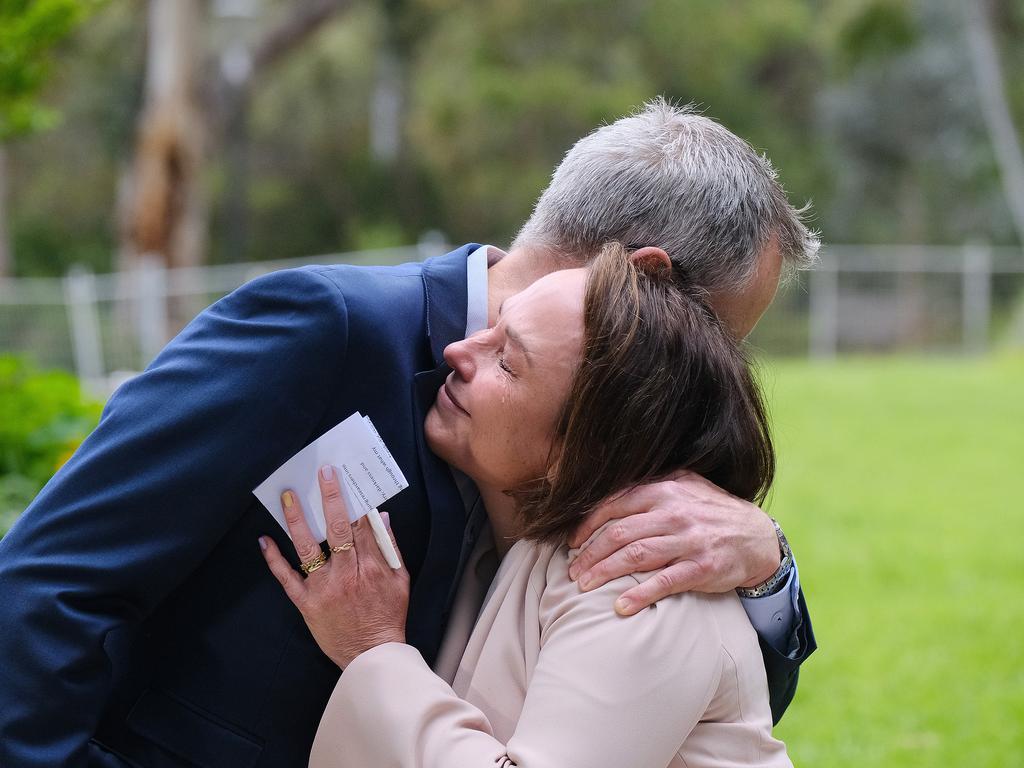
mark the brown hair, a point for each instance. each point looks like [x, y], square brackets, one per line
[661, 385]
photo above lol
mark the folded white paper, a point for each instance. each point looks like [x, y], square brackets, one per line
[369, 474]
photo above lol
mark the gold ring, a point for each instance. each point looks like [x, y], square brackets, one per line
[343, 547]
[317, 562]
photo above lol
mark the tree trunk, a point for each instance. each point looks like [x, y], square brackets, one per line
[163, 216]
[995, 108]
[166, 214]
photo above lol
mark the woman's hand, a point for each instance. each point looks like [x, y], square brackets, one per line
[352, 602]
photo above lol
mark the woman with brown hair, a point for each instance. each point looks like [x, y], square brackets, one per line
[592, 381]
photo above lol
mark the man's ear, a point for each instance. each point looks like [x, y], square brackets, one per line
[651, 259]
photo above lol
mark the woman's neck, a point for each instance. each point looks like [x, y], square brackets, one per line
[501, 511]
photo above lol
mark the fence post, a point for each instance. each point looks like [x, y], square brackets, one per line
[824, 314]
[977, 297]
[151, 321]
[84, 324]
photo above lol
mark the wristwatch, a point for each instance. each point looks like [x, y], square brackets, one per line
[774, 582]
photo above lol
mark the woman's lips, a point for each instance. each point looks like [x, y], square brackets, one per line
[452, 399]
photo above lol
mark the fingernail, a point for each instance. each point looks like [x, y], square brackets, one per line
[327, 472]
[386, 518]
[585, 581]
[287, 499]
[622, 605]
[263, 543]
[574, 571]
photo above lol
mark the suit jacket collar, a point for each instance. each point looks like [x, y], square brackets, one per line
[445, 286]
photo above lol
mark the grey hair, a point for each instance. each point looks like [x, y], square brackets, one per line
[669, 177]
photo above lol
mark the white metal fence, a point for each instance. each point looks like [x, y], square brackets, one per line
[860, 299]
[105, 327]
[913, 299]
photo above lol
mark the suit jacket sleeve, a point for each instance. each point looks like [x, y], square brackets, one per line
[606, 690]
[784, 671]
[147, 496]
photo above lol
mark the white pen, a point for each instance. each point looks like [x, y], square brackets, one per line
[380, 533]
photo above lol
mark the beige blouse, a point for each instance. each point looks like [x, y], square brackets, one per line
[552, 678]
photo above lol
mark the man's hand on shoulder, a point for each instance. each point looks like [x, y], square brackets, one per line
[696, 535]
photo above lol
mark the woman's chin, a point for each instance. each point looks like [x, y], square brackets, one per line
[439, 438]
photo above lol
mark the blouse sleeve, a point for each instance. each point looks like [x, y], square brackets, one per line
[606, 690]
[613, 690]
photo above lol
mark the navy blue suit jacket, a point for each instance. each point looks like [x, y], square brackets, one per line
[138, 621]
[139, 624]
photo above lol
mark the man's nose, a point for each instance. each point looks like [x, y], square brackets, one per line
[460, 356]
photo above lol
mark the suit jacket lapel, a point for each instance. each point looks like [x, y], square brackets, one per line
[444, 281]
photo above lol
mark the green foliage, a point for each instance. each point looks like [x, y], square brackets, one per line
[43, 419]
[29, 29]
[866, 107]
[899, 487]
[48, 247]
[316, 187]
[503, 89]
[881, 29]
[59, 218]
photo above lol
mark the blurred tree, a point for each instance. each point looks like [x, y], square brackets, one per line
[64, 180]
[908, 148]
[757, 67]
[28, 33]
[317, 186]
[346, 175]
[379, 119]
[242, 66]
[504, 87]
[164, 211]
[995, 107]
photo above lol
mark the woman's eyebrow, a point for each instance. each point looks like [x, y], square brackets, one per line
[512, 335]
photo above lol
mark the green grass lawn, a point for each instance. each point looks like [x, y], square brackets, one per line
[899, 486]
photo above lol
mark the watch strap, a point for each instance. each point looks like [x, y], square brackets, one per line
[774, 582]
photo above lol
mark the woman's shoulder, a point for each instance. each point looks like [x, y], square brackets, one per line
[711, 620]
[690, 653]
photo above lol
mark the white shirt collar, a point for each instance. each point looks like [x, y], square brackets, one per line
[476, 290]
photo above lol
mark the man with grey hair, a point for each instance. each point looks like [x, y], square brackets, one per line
[669, 177]
[140, 626]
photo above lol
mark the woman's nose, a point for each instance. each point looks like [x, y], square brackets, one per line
[459, 355]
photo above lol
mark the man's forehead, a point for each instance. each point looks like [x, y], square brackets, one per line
[551, 284]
